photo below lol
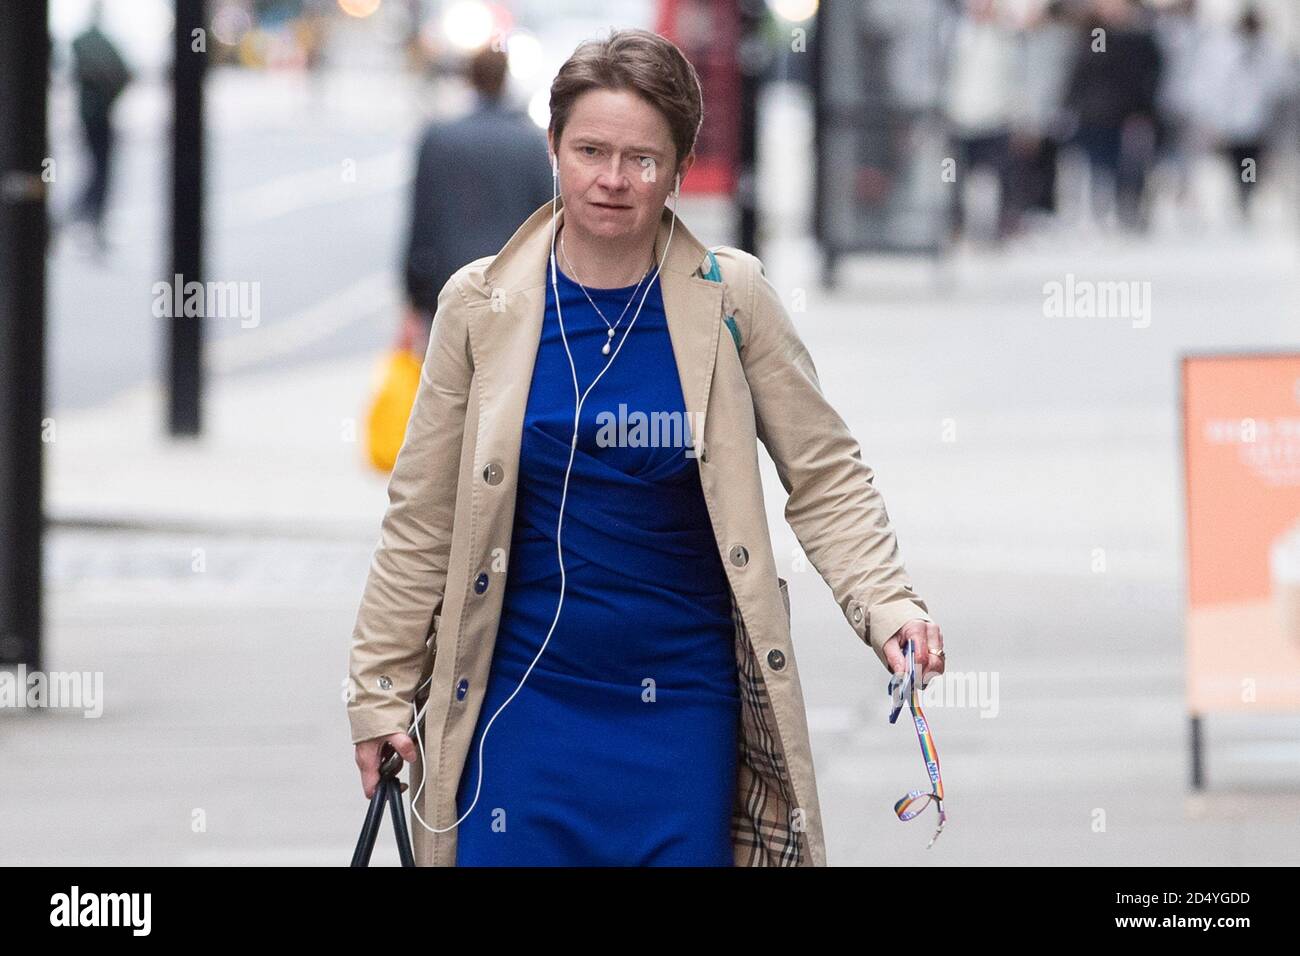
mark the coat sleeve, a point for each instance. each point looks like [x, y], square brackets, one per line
[833, 506]
[395, 626]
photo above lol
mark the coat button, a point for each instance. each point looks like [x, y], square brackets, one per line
[775, 659]
[385, 683]
[481, 583]
[462, 688]
[857, 614]
[739, 556]
[493, 473]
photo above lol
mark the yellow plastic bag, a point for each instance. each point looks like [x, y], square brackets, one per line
[390, 409]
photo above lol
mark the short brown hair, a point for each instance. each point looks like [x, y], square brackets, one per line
[641, 61]
[487, 70]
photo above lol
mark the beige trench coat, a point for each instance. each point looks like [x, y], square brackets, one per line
[434, 593]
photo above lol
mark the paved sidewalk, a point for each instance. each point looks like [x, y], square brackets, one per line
[280, 451]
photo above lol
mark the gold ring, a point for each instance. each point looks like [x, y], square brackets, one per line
[937, 652]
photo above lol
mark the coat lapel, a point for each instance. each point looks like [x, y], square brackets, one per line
[504, 336]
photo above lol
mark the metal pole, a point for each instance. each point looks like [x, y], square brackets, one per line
[1198, 764]
[185, 340]
[753, 58]
[820, 111]
[24, 172]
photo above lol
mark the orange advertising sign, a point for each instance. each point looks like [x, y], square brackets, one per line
[1241, 452]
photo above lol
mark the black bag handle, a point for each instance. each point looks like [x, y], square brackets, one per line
[387, 793]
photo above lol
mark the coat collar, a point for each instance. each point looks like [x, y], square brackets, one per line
[516, 266]
[505, 338]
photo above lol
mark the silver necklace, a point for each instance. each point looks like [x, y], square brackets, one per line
[610, 336]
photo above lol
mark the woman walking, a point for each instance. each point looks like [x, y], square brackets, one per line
[574, 608]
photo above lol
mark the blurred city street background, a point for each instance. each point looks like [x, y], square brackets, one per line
[223, 688]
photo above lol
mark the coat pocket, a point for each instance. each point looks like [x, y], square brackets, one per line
[426, 671]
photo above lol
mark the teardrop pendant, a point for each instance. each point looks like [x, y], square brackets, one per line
[604, 350]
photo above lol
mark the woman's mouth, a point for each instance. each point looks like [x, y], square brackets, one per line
[603, 205]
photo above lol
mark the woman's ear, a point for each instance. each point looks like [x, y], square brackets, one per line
[684, 166]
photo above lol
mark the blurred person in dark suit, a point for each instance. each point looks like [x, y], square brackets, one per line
[476, 179]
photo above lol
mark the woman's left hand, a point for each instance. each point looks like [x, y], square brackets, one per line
[928, 639]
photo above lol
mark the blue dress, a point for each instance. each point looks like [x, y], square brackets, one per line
[620, 748]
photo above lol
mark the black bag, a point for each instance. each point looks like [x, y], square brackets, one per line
[388, 792]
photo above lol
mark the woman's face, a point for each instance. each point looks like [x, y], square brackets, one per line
[616, 164]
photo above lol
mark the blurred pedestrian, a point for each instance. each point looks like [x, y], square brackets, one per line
[101, 75]
[1183, 36]
[1250, 76]
[979, 104]
[1112, 96]
[476, 178]
[1045, 57]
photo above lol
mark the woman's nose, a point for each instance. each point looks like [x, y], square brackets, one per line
[612, 178]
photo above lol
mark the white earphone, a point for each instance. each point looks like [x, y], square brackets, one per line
[573, 446]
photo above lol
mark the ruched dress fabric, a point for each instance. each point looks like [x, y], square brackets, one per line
[620, 747]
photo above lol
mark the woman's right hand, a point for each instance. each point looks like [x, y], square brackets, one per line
[367, 756]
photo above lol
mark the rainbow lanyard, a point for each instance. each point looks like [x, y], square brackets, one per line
[929, 752]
